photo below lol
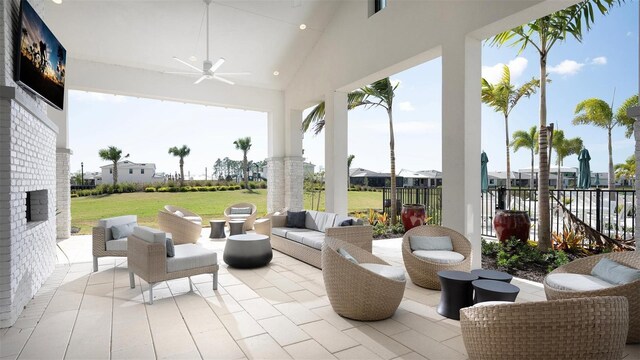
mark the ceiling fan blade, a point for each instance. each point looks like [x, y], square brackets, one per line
[217, 65]
[223, 80]
[234, 73]
[182, 73]
[186, 63]
[200, 80]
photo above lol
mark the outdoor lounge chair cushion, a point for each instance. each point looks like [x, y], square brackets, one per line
[123, 230]
[319, 221]
[194, 219]
[118, 220]
[340, 219]
[491, 303]
[117, 245]
[280, 231]
[439, 256]
[171, 251]
[296, 219]
[576, 282]
[388, 271]
[297, 234]
[615, 273]
[178, 213]
[313, 240]
[429, 243]
[240, 211]
[150, 235]
[347, 256]
[191, 256]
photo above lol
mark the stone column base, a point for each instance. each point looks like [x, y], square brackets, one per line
[63, 193]
[275, 184]
[294, 181]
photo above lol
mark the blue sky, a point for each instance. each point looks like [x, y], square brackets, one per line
[606, 59]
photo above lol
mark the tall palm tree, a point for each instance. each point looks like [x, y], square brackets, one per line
[503, 97]
[598, 113]
[244, 144]
[526, 140]
[349, 161]
[182, 152]
[564, 147]
[626, 169]
[114, 155]
[543, 34]
[379, 93]
[623, 118]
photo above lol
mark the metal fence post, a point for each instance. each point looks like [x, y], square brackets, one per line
[598, 211]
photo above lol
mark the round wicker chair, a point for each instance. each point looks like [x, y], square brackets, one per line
[355, 292]
[184, 230]
[249, 219]
[587, 328]
[424, 273]
[630, 291]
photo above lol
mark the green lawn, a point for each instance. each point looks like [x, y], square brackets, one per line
[85, 211]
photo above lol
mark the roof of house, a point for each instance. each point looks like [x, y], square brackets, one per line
[130, 164]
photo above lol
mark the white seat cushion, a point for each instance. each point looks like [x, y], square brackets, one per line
[118, 220]
[191, 256]
[491, 303]
[576, 282]
[281, 231]
[388, 271]
[150, 235]
[117, 245]
[314, 240]
[440, 256]
[298, 234]
[195, 219]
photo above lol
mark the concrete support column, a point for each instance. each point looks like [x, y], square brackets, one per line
[336, 152]
[461, 73]
[63, 193]
[635, 113]
[275, 162]
[293, 161]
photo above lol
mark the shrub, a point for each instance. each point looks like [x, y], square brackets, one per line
[150, 189]
[74, 195]
[263, 185]
[223, 188]
[164, 189]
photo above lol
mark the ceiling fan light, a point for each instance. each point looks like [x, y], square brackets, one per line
[303, 26]
[276, 73]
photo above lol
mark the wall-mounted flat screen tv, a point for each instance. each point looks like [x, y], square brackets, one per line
[41, 61]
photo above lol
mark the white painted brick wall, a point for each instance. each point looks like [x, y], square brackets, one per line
[27, 163]
[275, 182]
[63, 194]
[293, 183]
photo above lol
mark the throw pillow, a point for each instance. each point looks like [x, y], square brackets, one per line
[615, 273]
[296, 219]
[179, 213]
[348, 222]
[430, 243]
[123, 230]
[240, 211]
[171, 251]
[347, 256]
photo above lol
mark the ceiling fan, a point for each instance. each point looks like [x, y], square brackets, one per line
[209, 68]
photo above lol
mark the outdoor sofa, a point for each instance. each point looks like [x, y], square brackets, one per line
[305, 241]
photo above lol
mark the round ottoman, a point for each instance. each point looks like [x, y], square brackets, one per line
[247, 251]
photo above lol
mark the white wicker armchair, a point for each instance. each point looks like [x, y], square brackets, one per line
[184, 225]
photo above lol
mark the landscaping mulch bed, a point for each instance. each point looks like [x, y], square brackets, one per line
[533, 272]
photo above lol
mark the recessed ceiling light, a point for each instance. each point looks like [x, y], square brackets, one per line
[193, 58]
[57, 1]
[276, 73]
[303, 26]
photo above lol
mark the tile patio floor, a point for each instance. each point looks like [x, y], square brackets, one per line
[276, 312]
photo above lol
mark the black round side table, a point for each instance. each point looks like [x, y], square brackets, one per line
[457, 292]
[492, 290]
[485, 274]
[217, 229]
[236, 227]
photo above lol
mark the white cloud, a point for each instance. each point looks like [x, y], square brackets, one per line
[566, 67]
[600, 60]
[494, 73]
[629, 33]
[406, 106]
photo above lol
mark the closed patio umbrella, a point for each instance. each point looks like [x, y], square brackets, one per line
[484, 176]
[584, 180]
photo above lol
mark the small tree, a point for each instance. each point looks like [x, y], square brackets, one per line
[526, 140]
[114, 155]
[244, 144]
[182, 152]
[564, 147]
[349, 161]
[626, 169]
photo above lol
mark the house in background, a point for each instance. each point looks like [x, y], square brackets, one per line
[422, 178]
[130, 172]
[364, 177]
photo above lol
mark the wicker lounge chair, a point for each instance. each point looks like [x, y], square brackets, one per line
[423, 272]
[355, 292]
[237, 212]
[631, 291]
[147, 258]
[184, 225]
[103, 242]
[587, 328]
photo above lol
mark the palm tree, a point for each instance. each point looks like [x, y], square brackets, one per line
[349, 161]
[114, 155]
[626, 169]
[598, 113]
[543, 34]
[182, 152]
[379, 93]
[623, 118]
[244, 144]
[503, 97]
[526, 140]
[564, 147]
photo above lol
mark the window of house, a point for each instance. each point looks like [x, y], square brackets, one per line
[141, 171]
[130, 171]
[110, 171]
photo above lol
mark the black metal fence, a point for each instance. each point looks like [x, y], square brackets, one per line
[611, 212]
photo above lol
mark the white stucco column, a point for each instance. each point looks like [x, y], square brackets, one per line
[336, 152]
[63, 169]
[275, 161]
[635, 113]
[461, 74]
[293, 161]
